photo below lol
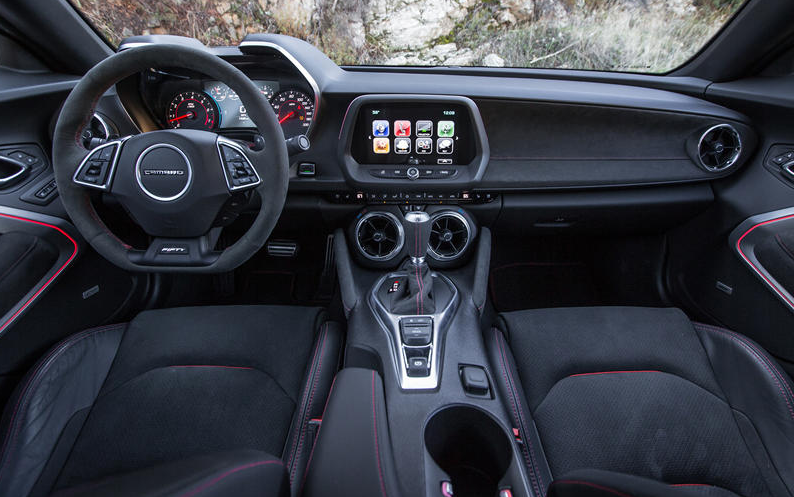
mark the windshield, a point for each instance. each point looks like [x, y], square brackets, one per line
[652, 36]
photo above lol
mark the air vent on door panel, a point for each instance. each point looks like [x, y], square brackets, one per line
[449, 235]
[719, 147]
[379, 236]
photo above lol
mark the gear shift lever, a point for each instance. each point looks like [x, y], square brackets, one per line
[417, 234]
[416, 298]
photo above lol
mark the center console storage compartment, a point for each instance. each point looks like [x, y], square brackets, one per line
[468, 449]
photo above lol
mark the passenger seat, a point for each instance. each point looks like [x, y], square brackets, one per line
[643, 402]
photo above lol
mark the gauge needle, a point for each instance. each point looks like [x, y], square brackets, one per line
[286, 117]
[189, 114]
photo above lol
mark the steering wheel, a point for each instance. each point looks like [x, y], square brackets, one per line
[174, 183]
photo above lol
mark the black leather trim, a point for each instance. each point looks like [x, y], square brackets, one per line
[65, 381]
[353, 454]
[758, 388]
[509, 387]
[317, 384]
[241, 473]
[599, 483]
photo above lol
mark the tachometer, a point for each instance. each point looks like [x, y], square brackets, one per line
[295, 111]
[192, 110]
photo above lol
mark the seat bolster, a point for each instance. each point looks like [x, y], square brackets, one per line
[758, 388]
[241, 473]
[65, 381]
[599, 483]
[509, 389]
[317, 381]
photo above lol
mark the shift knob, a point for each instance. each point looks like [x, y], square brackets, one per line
[417, 234]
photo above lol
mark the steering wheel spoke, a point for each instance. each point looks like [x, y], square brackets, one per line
[97, 168]
[240, 173]
[178, 252]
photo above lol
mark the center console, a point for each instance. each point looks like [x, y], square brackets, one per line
[417, 410]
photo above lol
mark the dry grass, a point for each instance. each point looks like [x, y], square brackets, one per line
[611, 39]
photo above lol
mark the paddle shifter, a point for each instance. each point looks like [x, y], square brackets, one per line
[417, 295]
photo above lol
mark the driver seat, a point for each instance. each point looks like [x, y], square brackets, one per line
[185, 401]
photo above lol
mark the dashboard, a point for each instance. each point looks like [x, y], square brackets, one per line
[391, 136]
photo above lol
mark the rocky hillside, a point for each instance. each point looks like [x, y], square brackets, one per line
[634, 35]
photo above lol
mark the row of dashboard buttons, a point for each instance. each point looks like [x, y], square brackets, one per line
[413, 173]
[412, 197]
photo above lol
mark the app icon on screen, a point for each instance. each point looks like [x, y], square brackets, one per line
[402, 128]
[424, 145]
[444, 145]
[380, 145]
[424, 128]
[446, 129]
[380, 128]
[401, 145]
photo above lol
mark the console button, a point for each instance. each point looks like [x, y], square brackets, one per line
[418, 366]
[474, 380]
[412, 173]
[416, 331]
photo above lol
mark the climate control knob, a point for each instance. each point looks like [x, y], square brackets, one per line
[412, 173]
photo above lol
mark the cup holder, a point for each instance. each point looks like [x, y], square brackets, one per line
[471, 448]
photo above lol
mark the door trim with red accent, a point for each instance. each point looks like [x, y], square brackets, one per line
[748, 234]
[55, 230]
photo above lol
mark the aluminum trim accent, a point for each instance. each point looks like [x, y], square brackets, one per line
[232, 144]
[463, 220]
[152, 195]
[400, 235]
[304, 72]
[390, 324]
[733, 159]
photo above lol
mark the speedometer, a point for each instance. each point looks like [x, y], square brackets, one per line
[295, 111]
[192, 110]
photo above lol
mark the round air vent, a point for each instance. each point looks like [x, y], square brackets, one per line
[450, 234]
[719, 147]
[379, 235]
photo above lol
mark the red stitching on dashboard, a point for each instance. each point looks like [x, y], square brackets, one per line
[52, 278]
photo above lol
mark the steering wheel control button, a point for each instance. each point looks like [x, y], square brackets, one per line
[239, 171]
[163, 172]
[96, 170]
[412, 173]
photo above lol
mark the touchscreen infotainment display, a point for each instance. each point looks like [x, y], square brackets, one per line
[409, 133]
[232, 111]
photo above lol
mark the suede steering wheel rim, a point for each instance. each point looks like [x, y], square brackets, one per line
[271, 164]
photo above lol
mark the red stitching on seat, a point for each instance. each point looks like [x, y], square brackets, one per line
[615, 372]
[592, 485]
[375, 430]
[302, 427]
[208, 366]
[527, 449]
[760, 357]
[228, 473]
[41, 368]
[311, 454]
